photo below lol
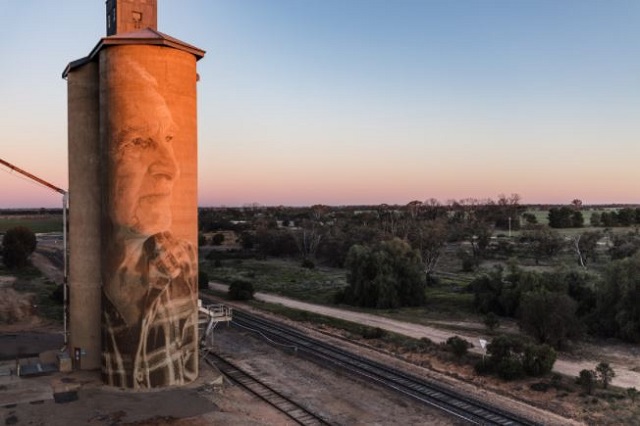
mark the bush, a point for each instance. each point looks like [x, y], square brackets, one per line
[539, 386]
[483, 367]
[512, 358]
[57, 294]
[605, 373]
[203, 280]
[17, 245]
[510, 368]
[469, 263]
[217, 239]
[308, 263]
[241, 290]
[538, 360]
[458, 346]
[372, 333]
[587, 380]
[491, 321]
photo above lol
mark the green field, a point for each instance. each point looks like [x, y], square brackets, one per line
[286, 278]
[38, 224]
[319, 285]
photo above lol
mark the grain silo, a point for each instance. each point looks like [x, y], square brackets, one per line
[133, 203]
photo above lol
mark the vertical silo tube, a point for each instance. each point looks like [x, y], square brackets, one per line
[149, 216]
[84, 276]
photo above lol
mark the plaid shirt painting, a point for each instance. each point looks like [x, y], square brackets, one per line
[161, 349]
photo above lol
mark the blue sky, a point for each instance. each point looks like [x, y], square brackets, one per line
[361, 101]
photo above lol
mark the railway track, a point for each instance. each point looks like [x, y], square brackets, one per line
[427, 392]
[265, 392]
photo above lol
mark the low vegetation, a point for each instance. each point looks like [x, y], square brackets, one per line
[535, 279]
[557, 273]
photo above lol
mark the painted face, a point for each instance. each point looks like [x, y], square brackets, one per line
[144, 166]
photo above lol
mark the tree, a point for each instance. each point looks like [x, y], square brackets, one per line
[538, 360]
[587, 380]
[565, 217]
[505, 357]
[605, 373]
[585, 245]
[617, 312]
[549, 317]
[17, 245]
[388, 275]
[429, 238]
[530, 218]
[632, 393]
[560, 217]
[512, 358]
[624, 245]
[308, 238]
[544, 241]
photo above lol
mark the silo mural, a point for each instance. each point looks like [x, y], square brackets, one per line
[144, 135]
[149, 252]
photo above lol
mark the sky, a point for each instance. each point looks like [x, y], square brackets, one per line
[344, 102]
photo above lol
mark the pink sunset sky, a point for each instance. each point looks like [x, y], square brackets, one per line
[361, 102]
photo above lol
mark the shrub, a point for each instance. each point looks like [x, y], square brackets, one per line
[491, 321]
[57, 294]
[203, 280]
[469, 263]
[605, 373]
[510, 368]
[372, 332]
[308, 263]
[217, 239]
[538, 360]
[587, 379]
[458, 346]
[241, 290]
[17, 245]
[483, 367]
[539, 386]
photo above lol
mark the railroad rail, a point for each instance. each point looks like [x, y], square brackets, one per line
[265, 392]
[420, 389]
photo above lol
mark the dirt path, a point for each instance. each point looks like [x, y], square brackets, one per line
[44, 264]
[625, 377]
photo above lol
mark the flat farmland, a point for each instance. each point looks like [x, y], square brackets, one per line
[37, 223]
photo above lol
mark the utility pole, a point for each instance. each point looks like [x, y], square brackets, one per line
[65, 206]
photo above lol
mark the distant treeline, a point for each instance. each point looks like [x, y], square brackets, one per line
[30, 212]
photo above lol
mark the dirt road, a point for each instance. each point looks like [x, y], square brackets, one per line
[620, 362]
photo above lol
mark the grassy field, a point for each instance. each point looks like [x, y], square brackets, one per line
[38, 224]
[286, 278]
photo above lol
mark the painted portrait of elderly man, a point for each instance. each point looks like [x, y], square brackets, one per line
[149, 287]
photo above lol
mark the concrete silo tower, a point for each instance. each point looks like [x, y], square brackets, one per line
[133, 203]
